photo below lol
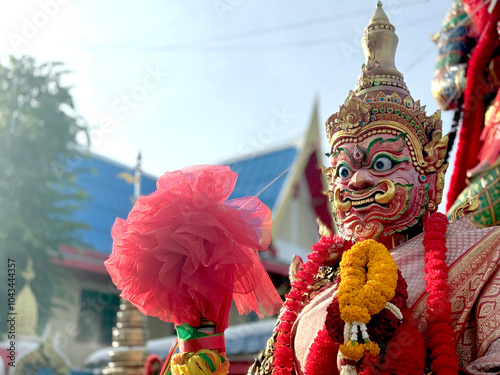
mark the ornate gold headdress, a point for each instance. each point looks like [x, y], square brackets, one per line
[381, 103]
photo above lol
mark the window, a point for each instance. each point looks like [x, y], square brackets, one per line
[97, 316]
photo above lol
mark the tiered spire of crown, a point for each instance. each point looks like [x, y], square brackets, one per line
[381, 93]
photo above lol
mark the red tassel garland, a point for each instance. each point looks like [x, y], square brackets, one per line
[441, 335]
[283, 359]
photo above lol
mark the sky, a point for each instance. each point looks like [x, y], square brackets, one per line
[201, 82]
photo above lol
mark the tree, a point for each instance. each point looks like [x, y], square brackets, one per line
[39, 153]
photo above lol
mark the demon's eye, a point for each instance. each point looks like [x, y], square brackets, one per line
[343, 171]
[383, 164]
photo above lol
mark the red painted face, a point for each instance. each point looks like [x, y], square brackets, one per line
[377, 190]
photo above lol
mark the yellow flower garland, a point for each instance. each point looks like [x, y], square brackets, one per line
[358, 350]
[368, 281]
[369, 278]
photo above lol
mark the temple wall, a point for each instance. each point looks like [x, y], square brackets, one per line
[297, 230]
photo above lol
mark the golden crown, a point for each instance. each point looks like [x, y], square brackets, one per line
[381, 103]
[381, 93]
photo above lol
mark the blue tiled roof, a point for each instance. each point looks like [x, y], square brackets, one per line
[257, 172]
[110, 196]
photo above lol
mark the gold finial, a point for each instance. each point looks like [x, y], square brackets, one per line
[26, 305]
[379, 16]
[29, 273]
[379, 46]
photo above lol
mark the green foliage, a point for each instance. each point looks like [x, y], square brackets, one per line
[39, 153]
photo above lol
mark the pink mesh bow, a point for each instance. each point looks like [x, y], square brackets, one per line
[186, 251]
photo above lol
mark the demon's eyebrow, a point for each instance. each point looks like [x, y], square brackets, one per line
[341, 149]
[401, 138]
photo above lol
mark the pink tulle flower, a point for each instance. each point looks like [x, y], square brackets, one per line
[186, 251]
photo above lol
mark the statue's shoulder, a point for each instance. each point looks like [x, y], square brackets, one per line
[326, 275]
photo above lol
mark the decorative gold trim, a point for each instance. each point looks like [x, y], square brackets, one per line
[465, 209]
[326, 275]
[263, 364]
[440, 182]
[294, 268]
[469, 278]
[323, 229]
[388, 195]
[341, 206]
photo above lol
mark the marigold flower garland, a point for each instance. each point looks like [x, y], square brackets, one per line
[404, 348]
[368, 281]
[411, 359]
[361, 293]
[283, 359]
[440, 332]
